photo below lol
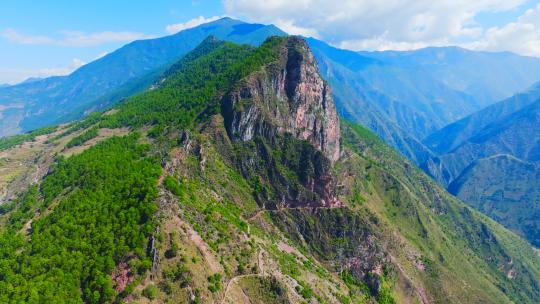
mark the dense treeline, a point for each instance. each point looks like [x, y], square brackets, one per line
[104, 200]
[84, 137]
[191, 89]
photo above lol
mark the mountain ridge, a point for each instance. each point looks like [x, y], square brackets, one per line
[204, 214]
[61, 95]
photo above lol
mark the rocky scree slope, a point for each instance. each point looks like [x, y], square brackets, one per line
[237, 184]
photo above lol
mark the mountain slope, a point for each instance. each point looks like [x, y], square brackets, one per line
[234, 182]
[405, 96]
[514, 134]
[451, 136]
[39, 103]
[506, 189]
[485, 76]
[489, 160]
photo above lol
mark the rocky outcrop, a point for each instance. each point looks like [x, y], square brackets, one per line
[286, 96]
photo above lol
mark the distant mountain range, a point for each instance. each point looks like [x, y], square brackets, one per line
[491, 160]
[409, 94]
[132, 68]
[405, 96]
[416, 101]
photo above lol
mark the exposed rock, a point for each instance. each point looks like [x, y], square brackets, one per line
[287, 96]
[121, 276]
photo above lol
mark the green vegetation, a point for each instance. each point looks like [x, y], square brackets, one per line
[150, 291]
[173, 250]
[453, 240]
[179, 273]
[87, 122]
[385, 295]
[65, 238]
[105, 201]
[8, 142]
[84, 137]
[264, 290]
[192, 86]
[214, 282]
[172, 185]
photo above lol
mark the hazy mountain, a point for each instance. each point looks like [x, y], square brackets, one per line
[396, 123]
[486, 76]
[491, 161]
[406, 96]
[39, 103]
[509, 127]
[451, 136]
[233, 181]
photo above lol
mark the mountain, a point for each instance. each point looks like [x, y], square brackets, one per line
[40, 103]
[451, 136]
[485, 76]
[490, 160]
[406, 96]
[505, 188]
[357, 101]
[31, 79]
[401, 96]
[233, 180]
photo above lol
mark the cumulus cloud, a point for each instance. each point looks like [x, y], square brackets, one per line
[392, 24]
[72, 38]
[177, 27]
[289, 27]
[521, 36]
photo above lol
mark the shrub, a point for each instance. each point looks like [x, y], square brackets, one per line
[151, 292]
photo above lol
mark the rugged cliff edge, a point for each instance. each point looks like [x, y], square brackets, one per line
[288, 95]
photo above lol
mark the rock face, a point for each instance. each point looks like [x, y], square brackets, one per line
[287, 96]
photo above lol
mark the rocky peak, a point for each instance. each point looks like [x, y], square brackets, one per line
[286, 96]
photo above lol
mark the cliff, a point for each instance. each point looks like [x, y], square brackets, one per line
[286, 96]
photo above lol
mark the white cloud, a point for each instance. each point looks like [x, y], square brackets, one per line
[72, 38]
[290, 28]
[177, 27]
[521, 36]
[381, 43]
[60, 70]
[14, 36]
[101, 55]
[381, 24]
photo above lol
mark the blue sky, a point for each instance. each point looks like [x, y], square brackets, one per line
[42, 38]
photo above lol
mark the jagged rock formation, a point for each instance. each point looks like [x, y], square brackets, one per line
[289, 96]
